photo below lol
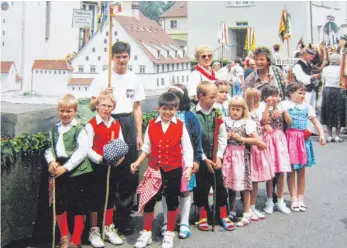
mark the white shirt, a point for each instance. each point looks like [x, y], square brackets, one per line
[331, 76]
[93, 156]
[300, 75]
[237, 73]
[222, 135]
[127, 89]
[79, 154]
[288, 104]
[187, 148]
[224, 74]
[195, 78]
[251, 126]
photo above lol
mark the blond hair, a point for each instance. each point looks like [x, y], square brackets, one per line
[239, 102]
[252, 98]
[204, 87]
[69, 101]
[106, 95]
[201, 49]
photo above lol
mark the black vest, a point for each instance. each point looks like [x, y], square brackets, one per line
[307, 69]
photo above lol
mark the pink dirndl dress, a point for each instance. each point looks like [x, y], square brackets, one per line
[277, 143]
[236, 167]
[296, 141]
[261, 161]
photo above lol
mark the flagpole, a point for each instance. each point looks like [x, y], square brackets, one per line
[110, 47]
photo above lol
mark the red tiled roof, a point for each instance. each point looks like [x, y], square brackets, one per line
[80, 81]
[149, 32]
[52, 65]
[179, 9]
[6, 66]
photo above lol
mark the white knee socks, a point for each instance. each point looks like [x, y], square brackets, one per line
[164, 206]
[184, 206]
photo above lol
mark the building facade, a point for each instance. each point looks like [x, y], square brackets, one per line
[308, 20]
[10, 81]
[175, 23]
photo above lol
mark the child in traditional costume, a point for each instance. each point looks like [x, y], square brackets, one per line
[214, 140]
[274, 122]
[300, 146]
[167, 143]
[70, 168]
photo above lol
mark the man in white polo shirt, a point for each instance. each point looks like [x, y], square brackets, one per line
[128, 92]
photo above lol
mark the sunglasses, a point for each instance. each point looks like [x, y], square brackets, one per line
[205, 56]
[123, 57]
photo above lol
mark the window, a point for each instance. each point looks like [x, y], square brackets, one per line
[73, 88]
[3, 32]
[79, 88]
[167, 53]
[173, 24]
[3, 21]
[173, 67]
[117, 40]
[241, 24]
[63, 72]
[162, 81]
[99, 57]
[3, 43]
[104, 67]
[80, 68]
[187, 78]
[135, 57]
[175, 54]
[115, 33]
[59, 72]
[106, 34]
[41, 71]
[48, 19]
[92, 68]
[239, 3]
[168, 67]
[182, 79]
[158, 54]
[162, 68]
[93, 49]
[130, 67]
[87, 58]
[178, 67]
[142, 68]
[55, 72]
[86, 88]
[105, 41]
[178, 79]
[105, 49]
[157, 82]
[158, 68]
[49, 72]
[37, 71]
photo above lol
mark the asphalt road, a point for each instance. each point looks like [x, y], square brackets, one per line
[323, 225]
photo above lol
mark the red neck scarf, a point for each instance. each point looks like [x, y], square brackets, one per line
[211, 76]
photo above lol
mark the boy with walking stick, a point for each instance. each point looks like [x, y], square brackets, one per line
[70, 171]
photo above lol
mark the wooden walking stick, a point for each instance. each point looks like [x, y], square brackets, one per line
[107, 194]
[54, 212]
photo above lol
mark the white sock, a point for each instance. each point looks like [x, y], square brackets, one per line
[269, 200]
[252, 208]
[280, 200]
[185, 203]
[164, 206]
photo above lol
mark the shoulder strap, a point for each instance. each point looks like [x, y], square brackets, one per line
[279, 81]
[53, 142]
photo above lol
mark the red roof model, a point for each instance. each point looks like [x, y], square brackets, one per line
[51, 65]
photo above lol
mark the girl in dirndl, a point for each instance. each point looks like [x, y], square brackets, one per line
[274, 121]
[300, 146]
[261, 161]
[236, 163]
[193, 127]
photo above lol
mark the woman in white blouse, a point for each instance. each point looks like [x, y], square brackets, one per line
[333, 101]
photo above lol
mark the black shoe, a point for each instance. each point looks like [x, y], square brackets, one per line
[125, 226]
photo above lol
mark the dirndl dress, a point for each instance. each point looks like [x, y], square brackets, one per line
[276, 142]
[300, 148]
[261, 161]
[236, 167]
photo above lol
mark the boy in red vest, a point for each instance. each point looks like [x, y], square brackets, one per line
[100, 130]
[68, 164]
[166, 143]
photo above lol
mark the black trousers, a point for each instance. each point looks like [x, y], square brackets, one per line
[171, 187]
[125, 188]
[204, 181]
[97, 188]
[71, 194]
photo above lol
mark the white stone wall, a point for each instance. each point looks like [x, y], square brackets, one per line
[79, 91]
[25, 36]
[50, 82]
[8, 81]
[264, 17]
[182, 25]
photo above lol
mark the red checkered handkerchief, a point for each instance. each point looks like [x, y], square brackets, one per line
[149, 187]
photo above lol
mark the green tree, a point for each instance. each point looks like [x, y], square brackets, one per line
[153, 9]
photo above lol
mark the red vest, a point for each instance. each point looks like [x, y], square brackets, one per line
[102, 134]
[166, 149]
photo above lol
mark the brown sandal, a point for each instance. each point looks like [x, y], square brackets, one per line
[65, 242]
